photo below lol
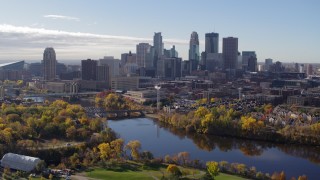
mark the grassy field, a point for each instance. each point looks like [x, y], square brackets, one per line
[131, 171]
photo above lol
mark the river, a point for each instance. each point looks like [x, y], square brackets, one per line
[266, 157]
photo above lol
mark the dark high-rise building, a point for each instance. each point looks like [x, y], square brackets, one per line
[252, 64]
[89, 69]
[230, 52]
[194, 47]
[49, 64]
[212, 43]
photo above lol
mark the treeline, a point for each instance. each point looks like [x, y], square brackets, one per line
[225, 121]
[112, 101]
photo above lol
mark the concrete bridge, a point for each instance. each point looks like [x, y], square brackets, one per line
[101, 112]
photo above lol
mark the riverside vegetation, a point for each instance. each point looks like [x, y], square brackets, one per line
[225, 121]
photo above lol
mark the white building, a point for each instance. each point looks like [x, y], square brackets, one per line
[19, 162]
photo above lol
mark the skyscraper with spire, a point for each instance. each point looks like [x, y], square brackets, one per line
[194, 46]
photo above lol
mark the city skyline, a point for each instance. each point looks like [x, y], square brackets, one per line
[284, 31]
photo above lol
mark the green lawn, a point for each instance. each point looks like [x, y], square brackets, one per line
[108, 174]
[134, 171]
[228, 177]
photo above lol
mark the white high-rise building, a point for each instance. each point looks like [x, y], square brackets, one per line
[49, 64]
[194, 47]
[142, 50]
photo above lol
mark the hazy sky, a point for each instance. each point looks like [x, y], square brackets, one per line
[284, 30]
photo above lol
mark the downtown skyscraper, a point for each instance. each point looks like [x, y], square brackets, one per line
[194, 46]
[230, 52]
[49, 64]
[212, 43]
[158, 44]
[142, 50]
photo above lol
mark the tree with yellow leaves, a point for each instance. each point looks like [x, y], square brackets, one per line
[213, 168]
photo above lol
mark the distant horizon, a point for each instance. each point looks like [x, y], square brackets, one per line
[285, 31]
[78, 62]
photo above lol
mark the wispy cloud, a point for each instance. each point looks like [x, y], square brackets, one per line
[29, 42]
[54, 16]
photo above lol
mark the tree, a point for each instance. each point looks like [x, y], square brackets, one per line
[105, 150]
[174, 170]
[134, 147]
[71, 132]
[201, 112]
[41, 166]
[249, 124]
[146, 155]
[184, 157]
[117, 147]
[213, 168]
[303, 177]
[282, 176]
[74, 160]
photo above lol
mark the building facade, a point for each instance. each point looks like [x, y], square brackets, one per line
[246, 55]
[89, 69]
[230, 52]
[194, 47]
[49, 64]
[212, 42]
[142, 50]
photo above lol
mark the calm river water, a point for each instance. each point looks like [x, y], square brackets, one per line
[266, 157]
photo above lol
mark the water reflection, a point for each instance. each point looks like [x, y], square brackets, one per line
[247, 147]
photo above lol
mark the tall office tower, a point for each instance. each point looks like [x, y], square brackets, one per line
[89, 69]
[252, 64]
[150, 58]
[309, 69]
[158, 44]
[49, 64]
[142, 50]
[246, 55]
[212, 42]
[102, 73]
[268, 63]
[230, 52]
[194, 46]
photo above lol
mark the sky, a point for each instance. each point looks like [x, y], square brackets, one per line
[284, 30]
